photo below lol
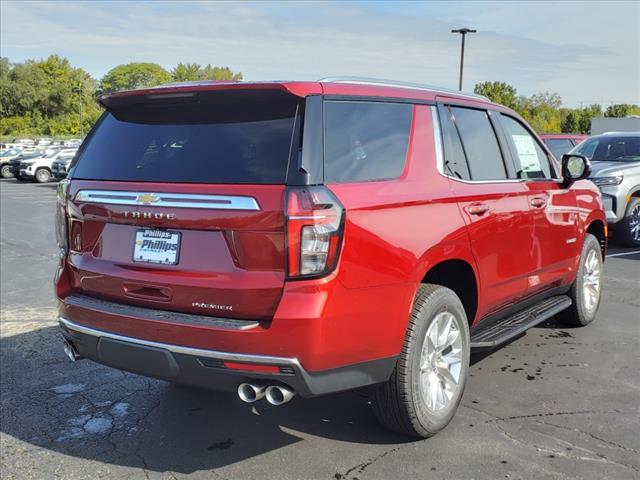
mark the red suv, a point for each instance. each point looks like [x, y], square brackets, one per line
[314, 237]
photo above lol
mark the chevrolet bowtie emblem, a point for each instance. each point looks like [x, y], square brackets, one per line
[147, 198]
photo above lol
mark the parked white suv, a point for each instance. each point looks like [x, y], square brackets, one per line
[39, 168]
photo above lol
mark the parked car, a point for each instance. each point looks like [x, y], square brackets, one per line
[5, 157]
[314, 237]
[39, 169]
[14, 163]
[561, 143]
[25, 142]
[60, 164]
[73, 142]
[615, 164]
[44, 142]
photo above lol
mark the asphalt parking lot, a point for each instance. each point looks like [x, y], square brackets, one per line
[556, 403]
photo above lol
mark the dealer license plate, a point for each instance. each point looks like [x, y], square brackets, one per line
[156, 246]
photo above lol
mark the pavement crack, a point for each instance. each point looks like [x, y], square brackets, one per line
[361, 467]
[549, 414]
[595, 437]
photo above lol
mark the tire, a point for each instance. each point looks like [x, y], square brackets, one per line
[42, 175]
[5, 171]
[405, 403]
[629, 227]
[585, 297]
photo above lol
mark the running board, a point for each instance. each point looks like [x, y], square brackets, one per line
[505, 329]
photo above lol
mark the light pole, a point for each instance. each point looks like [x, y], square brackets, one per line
[463, 32]
[79, 90]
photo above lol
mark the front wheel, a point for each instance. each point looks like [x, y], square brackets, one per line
[629, 228]
[5, 171]
[586, 291]
[426, 386]
[42, 175]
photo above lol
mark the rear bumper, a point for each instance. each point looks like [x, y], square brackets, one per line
[210, 369]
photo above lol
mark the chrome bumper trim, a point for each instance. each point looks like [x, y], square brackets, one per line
[196, 352]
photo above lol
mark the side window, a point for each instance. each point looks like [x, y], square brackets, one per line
[480, 144]
[531, 160]
[455, 163]
[365, 140]
[559, 146]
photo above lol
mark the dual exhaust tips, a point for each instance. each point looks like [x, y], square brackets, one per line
[275, 394]
[71, 351]
[248, 392]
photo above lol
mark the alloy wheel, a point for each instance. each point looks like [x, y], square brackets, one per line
[441, 362]
[591, 281]
[634, 223]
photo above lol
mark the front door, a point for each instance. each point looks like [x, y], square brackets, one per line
[494, 205]
[553, 209]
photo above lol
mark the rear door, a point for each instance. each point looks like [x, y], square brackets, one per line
[494, 207]
[177, 203]
[553, 208]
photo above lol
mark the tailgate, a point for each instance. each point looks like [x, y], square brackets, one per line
[229, 259]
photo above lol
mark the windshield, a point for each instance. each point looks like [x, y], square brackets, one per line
[610, 149]
[218, 138]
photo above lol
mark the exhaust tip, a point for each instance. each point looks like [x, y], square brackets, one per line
[71, 351]
[278, 395]
[250, 392]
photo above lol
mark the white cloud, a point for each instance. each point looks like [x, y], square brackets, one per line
[586, 52]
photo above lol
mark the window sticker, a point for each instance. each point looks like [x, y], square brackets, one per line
[527, 152]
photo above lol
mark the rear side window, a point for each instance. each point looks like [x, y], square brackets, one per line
[480, 144]
[222, 137]
[455, 162]
[365, 140]
[531, 160]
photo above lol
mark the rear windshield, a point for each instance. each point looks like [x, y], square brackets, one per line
[222, 137]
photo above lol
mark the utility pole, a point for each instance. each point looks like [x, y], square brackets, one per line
[463, 32]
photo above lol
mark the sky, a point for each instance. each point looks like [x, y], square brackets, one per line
[587, 51]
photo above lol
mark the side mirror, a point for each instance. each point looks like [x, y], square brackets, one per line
[574, 167]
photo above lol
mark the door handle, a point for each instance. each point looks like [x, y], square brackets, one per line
[478, 209]
[538, 202]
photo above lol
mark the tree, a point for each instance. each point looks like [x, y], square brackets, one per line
[569, 124]
[585, 115]
[134, 75]
[498, 92]
[541, 110]
[622, 110]
[219, 73]
[545, 99]
[42, 97]
[185, 72]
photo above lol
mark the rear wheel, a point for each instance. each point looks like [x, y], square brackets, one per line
[587, 289]
[5, 171]
[42, 175]
[629, 228]
[426, 386]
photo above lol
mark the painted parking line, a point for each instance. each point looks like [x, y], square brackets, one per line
[622, 254]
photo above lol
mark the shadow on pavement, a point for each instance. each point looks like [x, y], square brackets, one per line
[94, 412]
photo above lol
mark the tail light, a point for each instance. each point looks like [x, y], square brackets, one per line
[62, 233]
[315, 225]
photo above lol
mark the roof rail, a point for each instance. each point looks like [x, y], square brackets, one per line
[393, 83]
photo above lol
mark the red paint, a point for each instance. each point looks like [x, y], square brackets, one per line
[395, 231]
